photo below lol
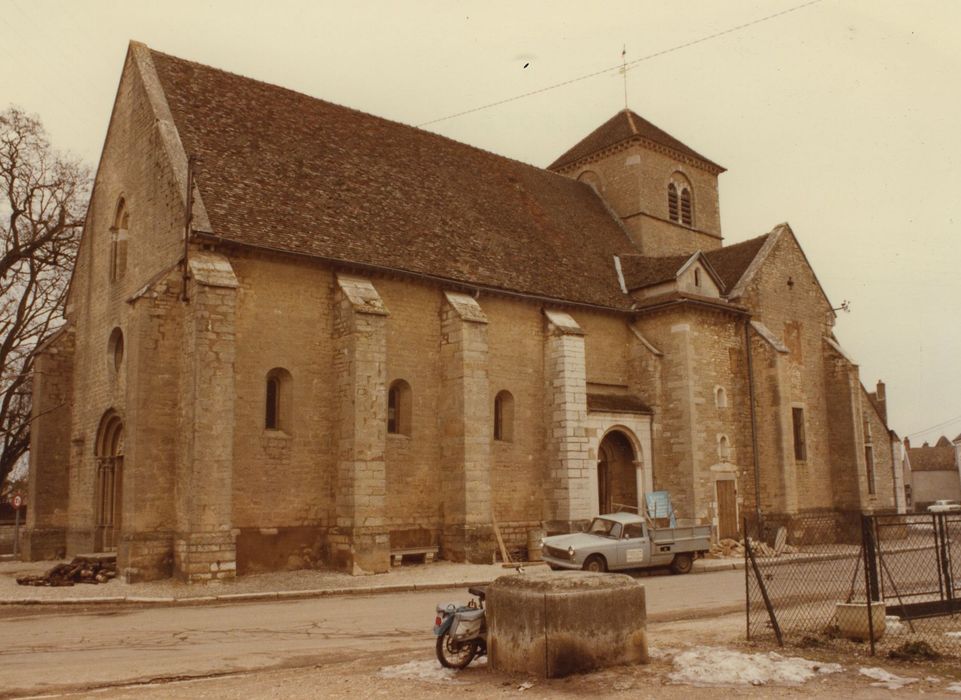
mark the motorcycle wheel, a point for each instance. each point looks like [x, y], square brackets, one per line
[453, 654]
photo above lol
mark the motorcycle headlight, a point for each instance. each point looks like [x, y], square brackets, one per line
[570, 552]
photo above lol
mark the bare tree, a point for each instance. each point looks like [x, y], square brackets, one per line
[44, 201]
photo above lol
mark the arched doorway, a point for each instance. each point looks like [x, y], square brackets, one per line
[616, 474]
[109, 485]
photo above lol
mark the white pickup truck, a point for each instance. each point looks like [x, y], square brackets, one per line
[626, 541]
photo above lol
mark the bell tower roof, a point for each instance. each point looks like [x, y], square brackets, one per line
[628, 126]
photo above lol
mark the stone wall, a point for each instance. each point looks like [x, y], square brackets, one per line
[46, 523]
[283, 479]
[633, 181]
[881, 496]
[141, 165]
[785, 296]
[702, 351]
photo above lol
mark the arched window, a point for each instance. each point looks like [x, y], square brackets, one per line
[504, 417]
[673, 209]
[680, 199]
[687, 209]
[720, 397]
[115, 348]
[277, 403]
[399, 408]
[118, 241]
[724, 448]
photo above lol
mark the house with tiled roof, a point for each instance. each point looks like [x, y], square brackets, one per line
[935, 472]
[299, 333]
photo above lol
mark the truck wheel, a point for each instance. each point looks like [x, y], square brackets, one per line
[682, 564]
[596, 564]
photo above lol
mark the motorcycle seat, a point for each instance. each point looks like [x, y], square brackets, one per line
[472, 614]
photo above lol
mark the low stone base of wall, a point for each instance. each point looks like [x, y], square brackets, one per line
[39, 544]
[146, 556]
[359, 551]
[200, 557]
[261, 549]
[473, 544]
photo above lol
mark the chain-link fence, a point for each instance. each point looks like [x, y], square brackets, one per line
[915, 562]
[804, 571]
[808, 583]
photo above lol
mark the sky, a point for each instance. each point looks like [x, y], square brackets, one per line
[840, 117]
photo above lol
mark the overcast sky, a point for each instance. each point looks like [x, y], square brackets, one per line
[842, 118]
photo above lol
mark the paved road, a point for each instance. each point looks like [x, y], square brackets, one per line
[44, 649]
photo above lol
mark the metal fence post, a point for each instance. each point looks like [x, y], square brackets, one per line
[943, 550]
[870, 574]
[767, 600]
[747, 583]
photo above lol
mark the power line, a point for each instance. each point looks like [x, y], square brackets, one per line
[624, 66]
[935, 427]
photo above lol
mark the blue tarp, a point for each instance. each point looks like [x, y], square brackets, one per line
[659, 506]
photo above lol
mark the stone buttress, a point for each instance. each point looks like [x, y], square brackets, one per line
[465, 431]
[359, 542]
[569, 463]
[204, 543]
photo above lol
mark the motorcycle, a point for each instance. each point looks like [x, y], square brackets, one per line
[461, 631]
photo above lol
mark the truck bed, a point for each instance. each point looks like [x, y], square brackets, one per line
[693, 538]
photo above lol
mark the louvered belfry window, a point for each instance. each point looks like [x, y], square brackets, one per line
[672, 206]
[687, 212]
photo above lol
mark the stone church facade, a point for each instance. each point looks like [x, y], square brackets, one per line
[374, 338]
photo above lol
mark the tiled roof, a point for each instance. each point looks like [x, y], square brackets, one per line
[623, 126]
[930, 459]
[731, 261]
[640, 271]
[285, 171]
[617, 403]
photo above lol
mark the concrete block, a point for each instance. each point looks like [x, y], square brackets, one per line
[553, 624]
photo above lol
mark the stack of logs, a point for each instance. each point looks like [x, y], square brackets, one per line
[727, 547]
[80, 570]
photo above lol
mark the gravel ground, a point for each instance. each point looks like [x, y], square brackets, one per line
[403, 673]
[437, 573]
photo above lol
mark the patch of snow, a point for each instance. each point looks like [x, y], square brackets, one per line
[893, 624]
[658, 653]
[954, 688]
[885, 679]
[952, 634]
[713, 666]
[429, 671]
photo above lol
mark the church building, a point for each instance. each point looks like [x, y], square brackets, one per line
[297, 334]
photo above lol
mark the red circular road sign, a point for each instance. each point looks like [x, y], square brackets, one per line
[17, 501]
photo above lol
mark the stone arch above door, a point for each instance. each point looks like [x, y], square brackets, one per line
[617, 483]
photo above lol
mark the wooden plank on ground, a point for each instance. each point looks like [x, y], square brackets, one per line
[505, 557]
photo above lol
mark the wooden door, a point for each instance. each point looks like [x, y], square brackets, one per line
[726, 509]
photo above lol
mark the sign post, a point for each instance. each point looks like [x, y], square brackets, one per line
[17, 502]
